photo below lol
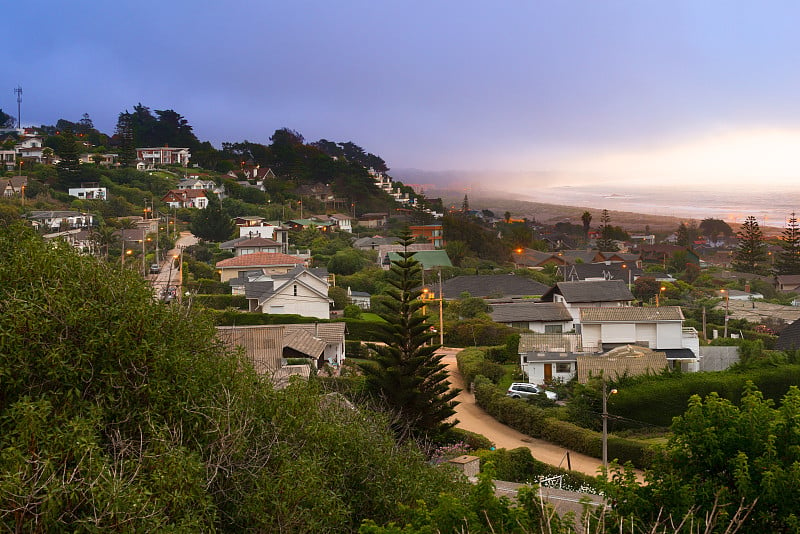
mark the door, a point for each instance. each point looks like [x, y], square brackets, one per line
[548, 372]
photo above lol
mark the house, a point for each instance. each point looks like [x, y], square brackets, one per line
[186, 198]
[788, 283]
[197, 183]
[359, 298]
[14, 186]
[317, 191]
[163, 155]
[248, 220]
[268, 263]
[267, 231]
[299, 291]
[660, 328]
[663, 253]
[509, 286]
[432, 233]
[8, 159]
[789, 338]
[601, 293]
[393, 246]
[548, 357]
[60, 220]
[80, 239]
[429, 259]
[331, 334]
[343, 222]
[301, 224]
[267, 347]
[250, 245]
[89, 192]
[628, 273]
[542, 317]
[627, 360]
[373, 220]
[372, 243]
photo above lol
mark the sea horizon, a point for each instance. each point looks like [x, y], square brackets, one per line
[771, 206]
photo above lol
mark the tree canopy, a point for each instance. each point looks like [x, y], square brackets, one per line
[751, 254]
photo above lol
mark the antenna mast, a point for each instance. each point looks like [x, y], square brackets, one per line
[18, 92]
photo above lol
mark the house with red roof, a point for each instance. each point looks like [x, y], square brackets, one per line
[265, 262]
[186, 198]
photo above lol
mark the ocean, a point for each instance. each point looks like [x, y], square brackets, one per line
[771, 206]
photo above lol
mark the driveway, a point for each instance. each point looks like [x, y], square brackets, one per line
[471, 417]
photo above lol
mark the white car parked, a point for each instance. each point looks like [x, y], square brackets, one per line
[521, 390]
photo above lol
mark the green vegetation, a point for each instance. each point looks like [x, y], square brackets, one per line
[405, 374]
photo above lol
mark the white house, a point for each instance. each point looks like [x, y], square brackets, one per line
[331, 334]
[60, 220]
[88, 193]
[542, 317]
[163, 155]
[659, 328]
[299, 291]
[594, 293]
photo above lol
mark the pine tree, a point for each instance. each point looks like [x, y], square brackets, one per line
[68, 167]
[788, 261]
[212, 223]
[125, 134]
[751, 254]
[606, 243]
[406, 374]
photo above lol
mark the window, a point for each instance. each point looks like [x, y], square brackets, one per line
[516, 324]
[563, 368]
[553, 329]
[295, 290]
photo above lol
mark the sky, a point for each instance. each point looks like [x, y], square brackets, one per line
[514, 92]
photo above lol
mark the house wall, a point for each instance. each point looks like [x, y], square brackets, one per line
[658, 336]
[540, 326]
[293, 297]
[535, 371]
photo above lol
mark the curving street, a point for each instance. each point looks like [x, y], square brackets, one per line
[473, 418]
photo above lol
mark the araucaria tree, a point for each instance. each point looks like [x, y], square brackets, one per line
[606, 242]
[751, 255]
[406, 374]
[788, 261]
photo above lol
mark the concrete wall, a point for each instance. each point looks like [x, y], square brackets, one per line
[718, 358]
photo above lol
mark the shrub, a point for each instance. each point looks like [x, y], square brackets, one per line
[351, 311]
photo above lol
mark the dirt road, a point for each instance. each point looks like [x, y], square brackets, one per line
[471, 417]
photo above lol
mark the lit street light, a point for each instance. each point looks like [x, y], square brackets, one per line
[606, 394]
[727, 300]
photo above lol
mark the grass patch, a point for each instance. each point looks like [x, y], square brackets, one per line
[374, 317]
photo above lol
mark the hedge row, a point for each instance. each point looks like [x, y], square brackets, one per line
[519, 465]
[221, 302]
[361, 330]
[472, 362]
[229, 317]
[536, 422]
[671, 395]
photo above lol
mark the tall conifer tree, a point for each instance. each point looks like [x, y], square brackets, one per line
[788, 261]
[751, 255]
[406, 374]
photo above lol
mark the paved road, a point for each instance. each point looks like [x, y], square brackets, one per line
[170, 273]
[472, 417]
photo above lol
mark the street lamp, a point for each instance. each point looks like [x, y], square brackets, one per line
[727, 301]
[624, 267]
[660, 290]
[606, 394]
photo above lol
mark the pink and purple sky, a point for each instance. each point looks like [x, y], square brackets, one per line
[585, 92]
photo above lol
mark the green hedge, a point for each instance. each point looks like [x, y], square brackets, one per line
[361, 330]
[519, 465]
[221, 302]
[230, 317]
[538, 423]
[672, 394]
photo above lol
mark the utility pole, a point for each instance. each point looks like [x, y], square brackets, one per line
[441, 310]
[18, 92]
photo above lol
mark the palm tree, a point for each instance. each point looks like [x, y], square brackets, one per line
[104, 236]
[586, 218]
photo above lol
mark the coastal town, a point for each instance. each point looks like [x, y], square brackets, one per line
[564, 331]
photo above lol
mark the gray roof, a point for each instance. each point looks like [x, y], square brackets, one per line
[229, 245]
[493, 285]
[631, 314]
[303, 342]
[529, 312]
[331, 333]
[614, 271]
[591, 291]
[630, 360]
[789, 338]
